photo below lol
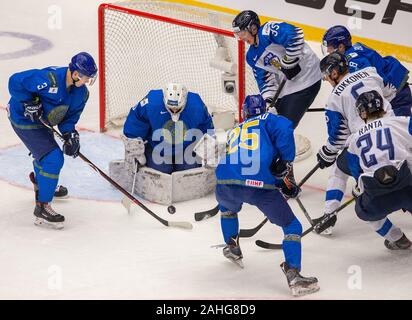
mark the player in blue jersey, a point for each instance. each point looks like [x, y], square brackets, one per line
[393, 73]
[380, 158]
[259, 154]
[278, 50]
[160, 128]
[57, 95]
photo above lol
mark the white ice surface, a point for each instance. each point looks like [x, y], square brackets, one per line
[103, 253]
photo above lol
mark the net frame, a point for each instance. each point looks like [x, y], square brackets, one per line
[103, 8]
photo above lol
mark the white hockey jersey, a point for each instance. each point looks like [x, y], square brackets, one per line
[385, 141]
[342, 118]
[278, 39]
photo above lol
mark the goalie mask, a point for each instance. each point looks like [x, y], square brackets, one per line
[175, 97]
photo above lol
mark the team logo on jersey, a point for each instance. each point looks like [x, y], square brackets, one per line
[57, 115]
[254, 183]
[272, 59]
[175, 132]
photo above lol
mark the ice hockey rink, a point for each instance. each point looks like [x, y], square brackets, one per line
[105, 253]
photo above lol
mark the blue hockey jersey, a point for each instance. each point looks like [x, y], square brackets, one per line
[389, 68]
[151, 121]
[252, 147]
[61, 106]
[278, 39]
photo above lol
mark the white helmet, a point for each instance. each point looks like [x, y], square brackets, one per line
[175, 97]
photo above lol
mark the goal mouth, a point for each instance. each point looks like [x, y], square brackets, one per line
[143, 45]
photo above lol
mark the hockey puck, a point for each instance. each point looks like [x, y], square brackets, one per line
[171, 209]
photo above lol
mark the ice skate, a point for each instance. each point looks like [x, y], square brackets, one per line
[61, 192]
[402, 244]
[233, 253]
[46, 216]
[298, 284]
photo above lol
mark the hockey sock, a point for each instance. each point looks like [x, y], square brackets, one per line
[229, 223]
[292, 248]
[47, 174]
[386, 229]
[335, 189]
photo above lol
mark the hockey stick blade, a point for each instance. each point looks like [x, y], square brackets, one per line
[180, 224]
[267, 245]
[247, 233]
[199, 216]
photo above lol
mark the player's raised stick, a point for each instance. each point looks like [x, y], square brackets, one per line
[176, 224]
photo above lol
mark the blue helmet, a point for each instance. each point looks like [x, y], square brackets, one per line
[84, 64]
[336, 35]
[254, 105]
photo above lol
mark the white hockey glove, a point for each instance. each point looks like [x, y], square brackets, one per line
[209, 150]
[356, 191]
[290, 67]
[270, 109]
[134, 151]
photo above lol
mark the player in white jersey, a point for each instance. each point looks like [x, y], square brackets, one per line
[380, 158]
[343, 120]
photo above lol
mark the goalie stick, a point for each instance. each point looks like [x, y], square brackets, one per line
[273, 246]
[247, 233]
[177, 224]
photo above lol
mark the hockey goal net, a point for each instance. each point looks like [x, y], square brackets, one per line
[143, 45]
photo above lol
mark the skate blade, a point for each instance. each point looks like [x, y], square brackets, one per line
[238, 262]
[327, 232]
[61, 198]
[301, 291]
[44, 223]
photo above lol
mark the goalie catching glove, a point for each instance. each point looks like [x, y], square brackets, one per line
[134, 152]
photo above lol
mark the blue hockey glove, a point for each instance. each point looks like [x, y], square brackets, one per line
[326, 157]
[290, 68]
[281, 168]
[33, 110]
[71, 146]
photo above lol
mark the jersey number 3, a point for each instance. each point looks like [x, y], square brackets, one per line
[365, 142]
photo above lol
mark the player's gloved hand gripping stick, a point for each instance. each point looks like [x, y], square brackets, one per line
[177, 224]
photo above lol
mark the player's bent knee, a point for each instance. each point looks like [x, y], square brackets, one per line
[53, 161]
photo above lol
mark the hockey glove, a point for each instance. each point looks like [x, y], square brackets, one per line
[134, 152]
[356, 192]
[326, 157]
[33, 110]
[290, 189]
[71, 146]
[281, 168]
[270, 109]
[324, 222]
[290, 68]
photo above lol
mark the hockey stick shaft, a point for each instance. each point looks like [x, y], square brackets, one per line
[267, 245]
[179, 224]
[247, 233]
[316, 110]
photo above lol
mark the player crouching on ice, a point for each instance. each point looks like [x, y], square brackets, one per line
[259, 155]
[163, 118]
[57, 96]
[379, 156]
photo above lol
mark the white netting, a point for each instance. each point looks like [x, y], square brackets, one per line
[141, 54]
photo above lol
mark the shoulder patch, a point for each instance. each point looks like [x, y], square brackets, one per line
[270, 27]
[351, 55]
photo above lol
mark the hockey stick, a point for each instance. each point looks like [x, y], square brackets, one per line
[177, 224]
[267, 245]
[199, 216]
[247, 233]
[316, 110]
